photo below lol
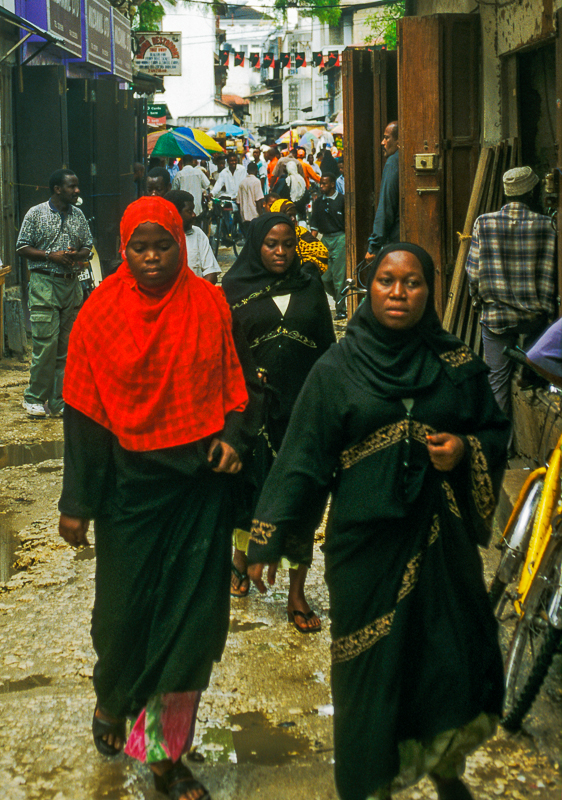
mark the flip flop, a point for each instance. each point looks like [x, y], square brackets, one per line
[103, 727]
[303, 629]
[242, 576]
[178, 781]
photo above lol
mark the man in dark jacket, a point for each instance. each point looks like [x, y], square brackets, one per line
[328, 219]
[386, 227]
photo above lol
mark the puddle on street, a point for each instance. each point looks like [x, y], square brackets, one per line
[258, 742]
[85, 554]
[31, 682]
[238, 627]
[16, 455]
[8, 546]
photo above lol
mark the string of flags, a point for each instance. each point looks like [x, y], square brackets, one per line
[285, 60]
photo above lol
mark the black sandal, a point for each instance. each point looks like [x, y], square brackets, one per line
[303, 628]
[241, 576]
[104, 727]
[178, 781]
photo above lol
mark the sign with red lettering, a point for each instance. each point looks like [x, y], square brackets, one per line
[158, 53]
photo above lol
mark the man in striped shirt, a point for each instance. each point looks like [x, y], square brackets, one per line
[512, 277]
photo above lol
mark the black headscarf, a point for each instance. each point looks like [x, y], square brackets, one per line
[329, 164]
[248, 276]
[399, 364]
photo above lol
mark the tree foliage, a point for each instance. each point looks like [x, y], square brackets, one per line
[327, 11]
[383, 25]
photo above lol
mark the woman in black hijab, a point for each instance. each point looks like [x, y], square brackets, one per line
[412, 446]
[282, 308]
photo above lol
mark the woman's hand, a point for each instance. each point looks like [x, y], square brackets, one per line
[255, 572]
[73, 530]
[445, 450]
[229, 462]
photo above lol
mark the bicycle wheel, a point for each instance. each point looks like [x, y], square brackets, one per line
[534, 641]
[216, 237]
[514, 547]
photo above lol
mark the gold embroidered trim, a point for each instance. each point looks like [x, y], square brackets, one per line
[253, 296]
[457, 358]
[281, 331]
[347, 647]
[482, 489]
[384, 437]
[261, 531]
[451, 499]
[262, 432]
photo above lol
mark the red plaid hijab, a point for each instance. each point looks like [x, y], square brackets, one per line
[156, 368]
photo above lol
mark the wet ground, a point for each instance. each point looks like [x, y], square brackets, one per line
[265, 724]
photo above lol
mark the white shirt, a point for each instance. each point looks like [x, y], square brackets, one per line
[192, 180]
[200, 257]
[249, 192]
[229, 183]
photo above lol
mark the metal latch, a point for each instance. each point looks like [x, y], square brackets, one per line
[425, 162]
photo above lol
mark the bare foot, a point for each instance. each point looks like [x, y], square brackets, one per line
[110, 738]
[298, 609]
[169, 778]
[239, 581]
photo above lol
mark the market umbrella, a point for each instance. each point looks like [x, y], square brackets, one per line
[229, 129]
[285, 138]
[202, 138]
[338, 129]
[170, 145]
[187, 140]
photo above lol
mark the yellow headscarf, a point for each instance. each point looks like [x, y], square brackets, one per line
[308, 246]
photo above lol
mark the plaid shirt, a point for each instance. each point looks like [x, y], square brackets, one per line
[511, 266]
[45, 228]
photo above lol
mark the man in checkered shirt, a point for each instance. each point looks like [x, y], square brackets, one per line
[55, 239]
[512, 277]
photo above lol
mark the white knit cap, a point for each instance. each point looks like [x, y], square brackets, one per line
[519, 181]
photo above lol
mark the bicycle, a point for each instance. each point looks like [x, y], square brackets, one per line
[227, 225]
[529, 580]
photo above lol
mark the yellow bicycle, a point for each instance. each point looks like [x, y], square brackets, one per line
[526, 591]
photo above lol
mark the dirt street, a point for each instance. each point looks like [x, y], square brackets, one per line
[265, 723]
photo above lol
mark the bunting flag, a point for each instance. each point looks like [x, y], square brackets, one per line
[238, 59]
[268, 60]
[255, 60]
[300, 60]
[317, 59]
[333, 59]
[223, 58]
[285, 60]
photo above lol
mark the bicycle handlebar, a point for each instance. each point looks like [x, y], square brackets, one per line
[520, 357]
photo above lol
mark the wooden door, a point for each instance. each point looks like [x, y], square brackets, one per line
[558, 182]
[7, 180]
[370, 102]
[438, 89]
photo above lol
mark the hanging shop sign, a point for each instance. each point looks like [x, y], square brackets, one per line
[63, 19]
[122, 57]
[98, 33]
[158, 53]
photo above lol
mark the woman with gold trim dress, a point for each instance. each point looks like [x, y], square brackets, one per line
[398, 422]
[280, 305]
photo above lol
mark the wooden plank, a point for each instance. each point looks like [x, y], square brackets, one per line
[475, 201]
[4, 270]
[558, 79]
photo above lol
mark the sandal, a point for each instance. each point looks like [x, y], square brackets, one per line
[241, 576]
[178, 781]
[104, 727]
[303, 628]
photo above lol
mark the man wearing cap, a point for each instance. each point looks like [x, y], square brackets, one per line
[512, 276]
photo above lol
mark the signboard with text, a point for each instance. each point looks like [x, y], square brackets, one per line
[122, 58]
[64, 20]
[158, 53]
[98, 33]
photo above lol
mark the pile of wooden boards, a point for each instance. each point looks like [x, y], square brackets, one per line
[487, 193]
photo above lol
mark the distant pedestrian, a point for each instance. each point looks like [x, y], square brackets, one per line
[158, 182]
[272, 157]
[200, 257]
[172, 168]
[193, 180]
[386, 227]
[55, 238]
[262, 167]
[309, 172]
[229, 179]
[340, 180]
[512, 276]
[328, 219]
[250, 196]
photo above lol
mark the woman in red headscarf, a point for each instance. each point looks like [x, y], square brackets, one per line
[157, 423]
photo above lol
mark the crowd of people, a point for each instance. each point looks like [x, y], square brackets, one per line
[208, 428]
